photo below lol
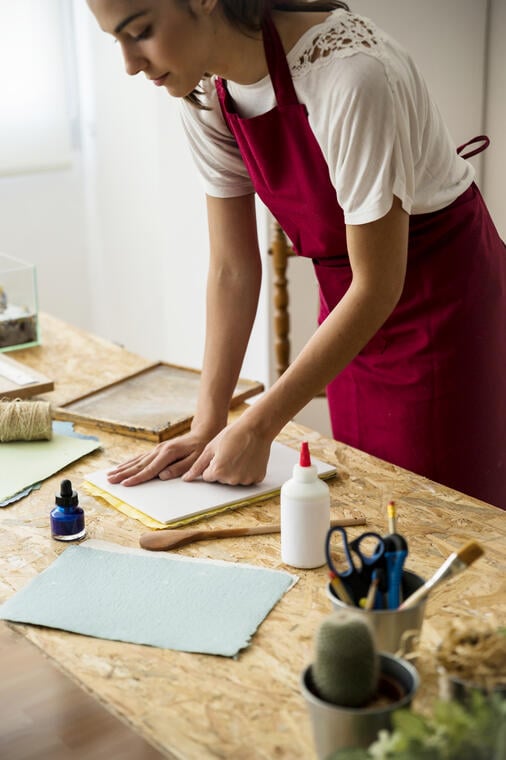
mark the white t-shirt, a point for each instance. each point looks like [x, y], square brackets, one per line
[370, 111]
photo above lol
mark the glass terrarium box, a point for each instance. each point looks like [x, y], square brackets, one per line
[19, 324]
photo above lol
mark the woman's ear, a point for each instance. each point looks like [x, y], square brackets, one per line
[203, 7]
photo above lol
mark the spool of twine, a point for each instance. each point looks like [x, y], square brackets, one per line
[25, 420]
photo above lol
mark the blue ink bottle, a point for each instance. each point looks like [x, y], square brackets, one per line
[67, 517]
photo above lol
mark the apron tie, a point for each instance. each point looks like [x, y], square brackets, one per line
[480, 138]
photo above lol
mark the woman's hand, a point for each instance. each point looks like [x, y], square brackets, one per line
[167, 460]
[238, 455]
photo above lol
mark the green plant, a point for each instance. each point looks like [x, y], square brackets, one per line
[346, 667]
[475, 731]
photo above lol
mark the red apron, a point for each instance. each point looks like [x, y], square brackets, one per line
[428, 392]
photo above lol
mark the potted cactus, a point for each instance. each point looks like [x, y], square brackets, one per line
[351, 689]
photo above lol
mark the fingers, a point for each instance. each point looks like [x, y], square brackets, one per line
[168, 460]
[227, 459]
[232, 459]
[125, 465]
[177, 469]
[209, 468]
[130, 468]
[199, 466]
[229, 475]
[141, 472]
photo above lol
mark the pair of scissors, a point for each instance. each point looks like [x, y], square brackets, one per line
[356, 579]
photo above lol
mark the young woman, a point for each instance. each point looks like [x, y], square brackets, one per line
[328, 120]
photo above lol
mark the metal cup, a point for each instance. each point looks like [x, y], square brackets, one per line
[336, 727]
[453, 688]
[389, 626]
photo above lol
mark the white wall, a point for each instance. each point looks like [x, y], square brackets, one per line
[495, 116]
[42, 222]
[147, 211]
[120, 238]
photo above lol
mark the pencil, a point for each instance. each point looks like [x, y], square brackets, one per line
[371, 594]
[340, 589]
[392, 517]
[454, 565]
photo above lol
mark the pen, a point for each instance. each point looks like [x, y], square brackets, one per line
[396, 550]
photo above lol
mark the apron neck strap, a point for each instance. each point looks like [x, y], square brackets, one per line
[279, 70]
[277, 64]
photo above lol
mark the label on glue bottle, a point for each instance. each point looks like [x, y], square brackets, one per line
[305, 515]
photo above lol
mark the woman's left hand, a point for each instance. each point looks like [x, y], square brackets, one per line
[236, 456]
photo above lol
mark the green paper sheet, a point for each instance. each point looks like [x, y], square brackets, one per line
[23, 463]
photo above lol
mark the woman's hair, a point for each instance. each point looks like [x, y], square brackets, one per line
[248, 15]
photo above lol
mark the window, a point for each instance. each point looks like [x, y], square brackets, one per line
[35, 92]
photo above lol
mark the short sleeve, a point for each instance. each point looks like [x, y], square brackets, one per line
[214, 148]
[361, 129]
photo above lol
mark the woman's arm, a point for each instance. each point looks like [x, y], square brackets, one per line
[233, 286]
[378, 255]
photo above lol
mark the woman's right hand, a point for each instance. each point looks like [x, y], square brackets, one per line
[167, 460]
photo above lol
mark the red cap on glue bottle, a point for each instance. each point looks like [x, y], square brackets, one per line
[304, 471]
[305, 456]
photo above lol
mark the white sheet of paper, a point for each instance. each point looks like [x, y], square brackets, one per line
[170, 500]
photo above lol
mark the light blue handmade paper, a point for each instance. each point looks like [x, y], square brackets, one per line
[164, 601]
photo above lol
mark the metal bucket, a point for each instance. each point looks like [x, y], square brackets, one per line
[389, 626]
[336, 727]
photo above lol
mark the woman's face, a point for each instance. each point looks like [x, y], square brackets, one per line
[170, 41]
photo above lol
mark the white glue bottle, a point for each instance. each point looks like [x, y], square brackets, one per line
[305, 515]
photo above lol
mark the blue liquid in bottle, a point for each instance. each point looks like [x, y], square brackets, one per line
[67, 517]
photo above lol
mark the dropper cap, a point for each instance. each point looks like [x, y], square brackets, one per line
[305, 456]
[304, 471]
[67, 497]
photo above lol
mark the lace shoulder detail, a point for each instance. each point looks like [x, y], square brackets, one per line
[342, 36]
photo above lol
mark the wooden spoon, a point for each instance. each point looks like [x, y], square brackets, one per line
[173, 538]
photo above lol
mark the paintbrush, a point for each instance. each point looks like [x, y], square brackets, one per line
[173, 538]
[454, 565]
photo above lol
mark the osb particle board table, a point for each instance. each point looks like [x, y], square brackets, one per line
[195, 707]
